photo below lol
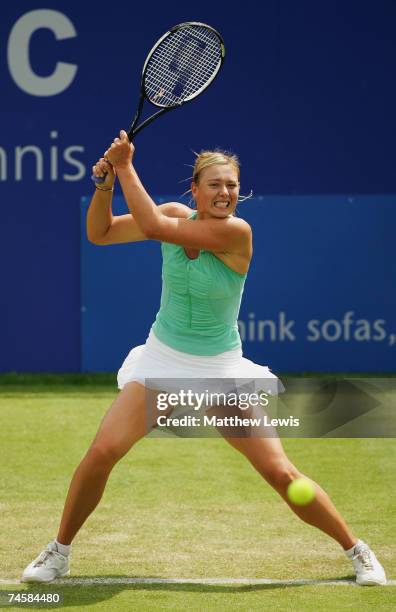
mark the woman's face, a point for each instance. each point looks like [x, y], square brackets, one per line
[216, 193]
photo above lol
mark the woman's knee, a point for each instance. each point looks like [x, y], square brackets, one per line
[103, 455]
[279, 474]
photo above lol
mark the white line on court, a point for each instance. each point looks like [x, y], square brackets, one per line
[207, 581]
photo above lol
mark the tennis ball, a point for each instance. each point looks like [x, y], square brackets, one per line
[301, 491]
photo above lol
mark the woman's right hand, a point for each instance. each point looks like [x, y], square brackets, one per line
[104, 169]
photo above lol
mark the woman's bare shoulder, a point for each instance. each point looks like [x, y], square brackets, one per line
[175, 209]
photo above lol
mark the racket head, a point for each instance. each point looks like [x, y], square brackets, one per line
[182, 64]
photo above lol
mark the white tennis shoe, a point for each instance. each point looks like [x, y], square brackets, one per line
[369, 571]
[50, 564]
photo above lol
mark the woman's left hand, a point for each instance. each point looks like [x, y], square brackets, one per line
[120, 152]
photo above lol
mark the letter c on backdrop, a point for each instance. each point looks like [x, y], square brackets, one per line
[18, 53]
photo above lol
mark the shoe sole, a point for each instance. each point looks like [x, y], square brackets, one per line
[32, 579]
[371, 583]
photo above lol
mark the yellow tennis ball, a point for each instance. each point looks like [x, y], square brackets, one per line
[301, 491]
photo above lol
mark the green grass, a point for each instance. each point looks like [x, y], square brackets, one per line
[185, 508]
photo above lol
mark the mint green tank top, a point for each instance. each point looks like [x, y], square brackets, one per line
[200, 302]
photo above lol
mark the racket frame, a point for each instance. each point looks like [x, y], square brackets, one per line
[133, 130]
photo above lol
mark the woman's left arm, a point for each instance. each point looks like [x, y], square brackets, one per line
[141, 206]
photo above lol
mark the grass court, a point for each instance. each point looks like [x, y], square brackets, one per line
[184, 509]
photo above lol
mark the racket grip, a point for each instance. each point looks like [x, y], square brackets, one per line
[98, 179]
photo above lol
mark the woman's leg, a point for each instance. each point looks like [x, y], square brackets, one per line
[122, 426]
[269, 459]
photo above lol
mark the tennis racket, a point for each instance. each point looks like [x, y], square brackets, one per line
[180, 66]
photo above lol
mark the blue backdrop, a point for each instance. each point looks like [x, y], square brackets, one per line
[306, 98]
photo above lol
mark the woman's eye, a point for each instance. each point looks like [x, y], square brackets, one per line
[228, 186]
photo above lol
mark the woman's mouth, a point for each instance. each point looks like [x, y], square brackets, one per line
[221, 204]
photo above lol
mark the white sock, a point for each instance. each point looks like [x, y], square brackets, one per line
[63, 549]
[350, 551]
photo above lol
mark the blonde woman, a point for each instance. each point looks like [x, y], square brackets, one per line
[206, 256]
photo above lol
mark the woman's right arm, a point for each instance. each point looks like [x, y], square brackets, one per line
[103, 227]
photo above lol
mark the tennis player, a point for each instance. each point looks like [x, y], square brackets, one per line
[206, 256]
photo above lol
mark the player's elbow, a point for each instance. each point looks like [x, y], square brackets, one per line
[152, 233]
[95, 239]
[96, 235]
[152, 228]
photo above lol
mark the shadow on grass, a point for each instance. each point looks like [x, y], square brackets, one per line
[90, 594]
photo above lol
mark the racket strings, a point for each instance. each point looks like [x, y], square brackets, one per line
[182, 65]
[163, 87]
[162, 92]
[183, 68]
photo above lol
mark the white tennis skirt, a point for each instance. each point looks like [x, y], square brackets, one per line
[155, 361]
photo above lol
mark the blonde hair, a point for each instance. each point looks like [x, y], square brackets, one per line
[214, 158]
